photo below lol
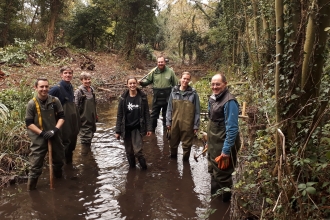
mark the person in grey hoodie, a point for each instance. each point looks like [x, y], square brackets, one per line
[183, 116]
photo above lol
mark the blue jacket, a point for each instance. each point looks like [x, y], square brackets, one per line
[63, 91]
[228, 115]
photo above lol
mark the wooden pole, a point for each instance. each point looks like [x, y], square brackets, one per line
[50, 161]
[243, 111]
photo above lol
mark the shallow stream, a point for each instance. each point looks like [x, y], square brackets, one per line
[102, 186]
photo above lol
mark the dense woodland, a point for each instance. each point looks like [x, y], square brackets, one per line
[276, 54]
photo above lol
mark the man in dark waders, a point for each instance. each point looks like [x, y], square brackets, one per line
[44, 117]
[86, 103]
[182, 117]
[163, 79]
[64, 92]
[222, 135]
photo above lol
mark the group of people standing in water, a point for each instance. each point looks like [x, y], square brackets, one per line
[56, 116]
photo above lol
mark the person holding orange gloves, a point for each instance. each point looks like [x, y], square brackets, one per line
[222, 135]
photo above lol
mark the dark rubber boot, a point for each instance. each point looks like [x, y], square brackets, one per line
[143, 163]
[214, 186]
[131, 161]
[57, 173]
[174, 153]
[32, 184]
[186, 154]
[226, 197]
[85, 149]
[68, 158]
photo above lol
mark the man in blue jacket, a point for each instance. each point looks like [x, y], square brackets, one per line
[70, 129]
[222, 135]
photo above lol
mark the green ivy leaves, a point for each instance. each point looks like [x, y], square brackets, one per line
[307, 188]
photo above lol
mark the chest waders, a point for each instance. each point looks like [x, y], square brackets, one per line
[134, 148]
[45, 120]
[216, 134]
[70, 129]
[88, 124]
[182, 129]
[159, 103]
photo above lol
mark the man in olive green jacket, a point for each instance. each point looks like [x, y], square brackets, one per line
[163, 79]
[44, 117]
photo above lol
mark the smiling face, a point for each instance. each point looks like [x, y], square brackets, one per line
[185, 79]
[42, 89]
[161, 63]
[217, 85]
[86, 82]
[67, 75]
[131, 84]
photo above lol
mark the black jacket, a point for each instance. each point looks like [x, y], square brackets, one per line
[145, 122]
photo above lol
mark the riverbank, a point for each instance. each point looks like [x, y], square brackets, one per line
[108, 72]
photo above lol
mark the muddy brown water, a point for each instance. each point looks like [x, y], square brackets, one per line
[102, 186]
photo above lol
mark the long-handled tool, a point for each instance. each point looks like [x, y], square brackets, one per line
[147, 74]
[204, 140]
[243, 111]
[50, 161]
[196, 156]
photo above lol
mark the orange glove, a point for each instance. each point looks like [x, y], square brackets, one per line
[223, 162]
[218, 160]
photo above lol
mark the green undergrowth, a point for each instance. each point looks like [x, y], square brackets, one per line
[298, 186]
[13, 137]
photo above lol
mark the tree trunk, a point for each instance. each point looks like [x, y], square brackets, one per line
[266, 54]
[54, 11]
[314, 48]
[6, 19]
[278, 67]
[248, 40]
[34, 17]
[256, 28]
[298, 19]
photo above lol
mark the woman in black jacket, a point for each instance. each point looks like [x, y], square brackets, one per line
[133, 122]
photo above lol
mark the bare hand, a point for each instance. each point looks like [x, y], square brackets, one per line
[117, 136]
[148, 133]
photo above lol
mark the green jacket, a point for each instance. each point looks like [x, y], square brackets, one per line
[164, 79]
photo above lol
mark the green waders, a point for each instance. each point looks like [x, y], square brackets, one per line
[88, 125]
[182, 128]
[220, 178]
[39, 148]
[133, 148]
[70, 129]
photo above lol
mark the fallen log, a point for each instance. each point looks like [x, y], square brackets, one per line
[115, 84]
[103, 89]
[15, 65]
